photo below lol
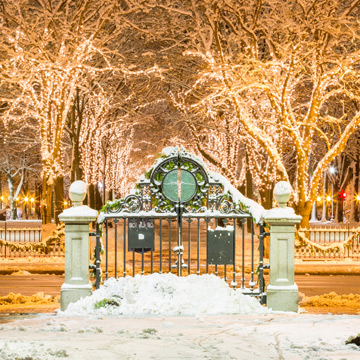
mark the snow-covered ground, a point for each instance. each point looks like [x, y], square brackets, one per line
[138, 318]
[266, 336]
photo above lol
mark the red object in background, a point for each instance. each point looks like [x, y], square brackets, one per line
[342, 195]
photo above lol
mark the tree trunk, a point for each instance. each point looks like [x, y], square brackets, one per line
[12, 201]
[355, 215]
[305, 212]
[76, 171]
[98, 199]
[266, 198]
[92, 196]
[46, 200]
[249, 192]
[340, 210]
[59, 197]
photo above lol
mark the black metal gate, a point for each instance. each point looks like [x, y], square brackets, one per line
[181, 219]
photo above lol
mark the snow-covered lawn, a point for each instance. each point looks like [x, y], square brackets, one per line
[138, 318]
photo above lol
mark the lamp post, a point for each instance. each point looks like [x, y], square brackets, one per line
[32, 200]
[332, 171]
[26, 199]
[323, 217]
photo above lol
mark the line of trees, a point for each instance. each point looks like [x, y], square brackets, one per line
[263, 90]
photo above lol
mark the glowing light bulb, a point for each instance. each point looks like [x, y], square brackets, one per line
[318, 199]
[328, 198]
[26, 199]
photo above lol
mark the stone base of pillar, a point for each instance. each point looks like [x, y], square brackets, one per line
[71, 293]
[282, 298]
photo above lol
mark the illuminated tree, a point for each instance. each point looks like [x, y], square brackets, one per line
[19, 154]
[277, 67]
[49, 50]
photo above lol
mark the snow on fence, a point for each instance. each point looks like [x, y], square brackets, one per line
[328, 243]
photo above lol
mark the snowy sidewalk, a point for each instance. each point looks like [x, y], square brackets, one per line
[270, 336]
[138, 318]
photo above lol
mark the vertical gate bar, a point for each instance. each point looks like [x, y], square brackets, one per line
[261, 269]
[243, 254]
[207, 232]
[198, 247]
[252, 256]
[189, 248]
[107, 250]
[116, 221]
[124, 247]
[169, 221]
[178, 241]
[181, 243]
[225, 272]
[216, 225]
[233, 283]
[97, 258]
[142, 261]
[133, 261]
[160, 246]
[152, 259]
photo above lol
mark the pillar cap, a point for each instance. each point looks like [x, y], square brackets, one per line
[78, 214]
[282, 191]
[77, 192]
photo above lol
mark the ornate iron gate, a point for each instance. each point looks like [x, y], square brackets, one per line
[182, 219]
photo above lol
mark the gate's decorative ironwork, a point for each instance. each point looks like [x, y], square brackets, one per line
[178, 190]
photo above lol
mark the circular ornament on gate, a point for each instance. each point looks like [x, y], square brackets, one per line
[187, 189]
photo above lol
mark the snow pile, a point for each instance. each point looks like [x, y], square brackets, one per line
[39, 298]
[166, 294]
[333, 300]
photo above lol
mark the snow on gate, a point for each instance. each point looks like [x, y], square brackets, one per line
[185, 220]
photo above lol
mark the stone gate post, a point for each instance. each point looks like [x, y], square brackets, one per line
[282, 292]
[77, 220]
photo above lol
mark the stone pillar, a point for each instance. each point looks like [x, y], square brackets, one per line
[77, 220]
[282, 292]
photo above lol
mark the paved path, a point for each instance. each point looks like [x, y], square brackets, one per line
[50, 284]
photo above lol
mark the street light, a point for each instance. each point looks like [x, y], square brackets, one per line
[332, 171]
[32, 200]
[26, 200]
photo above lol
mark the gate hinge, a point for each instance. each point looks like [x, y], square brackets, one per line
[92, 267]
[266, 266]
[266, 234]
[92, 233]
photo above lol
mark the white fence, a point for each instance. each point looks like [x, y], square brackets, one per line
[328, 243]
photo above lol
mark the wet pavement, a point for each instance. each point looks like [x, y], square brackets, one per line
[310, 285]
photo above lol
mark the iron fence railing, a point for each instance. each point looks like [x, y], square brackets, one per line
[184, 250]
